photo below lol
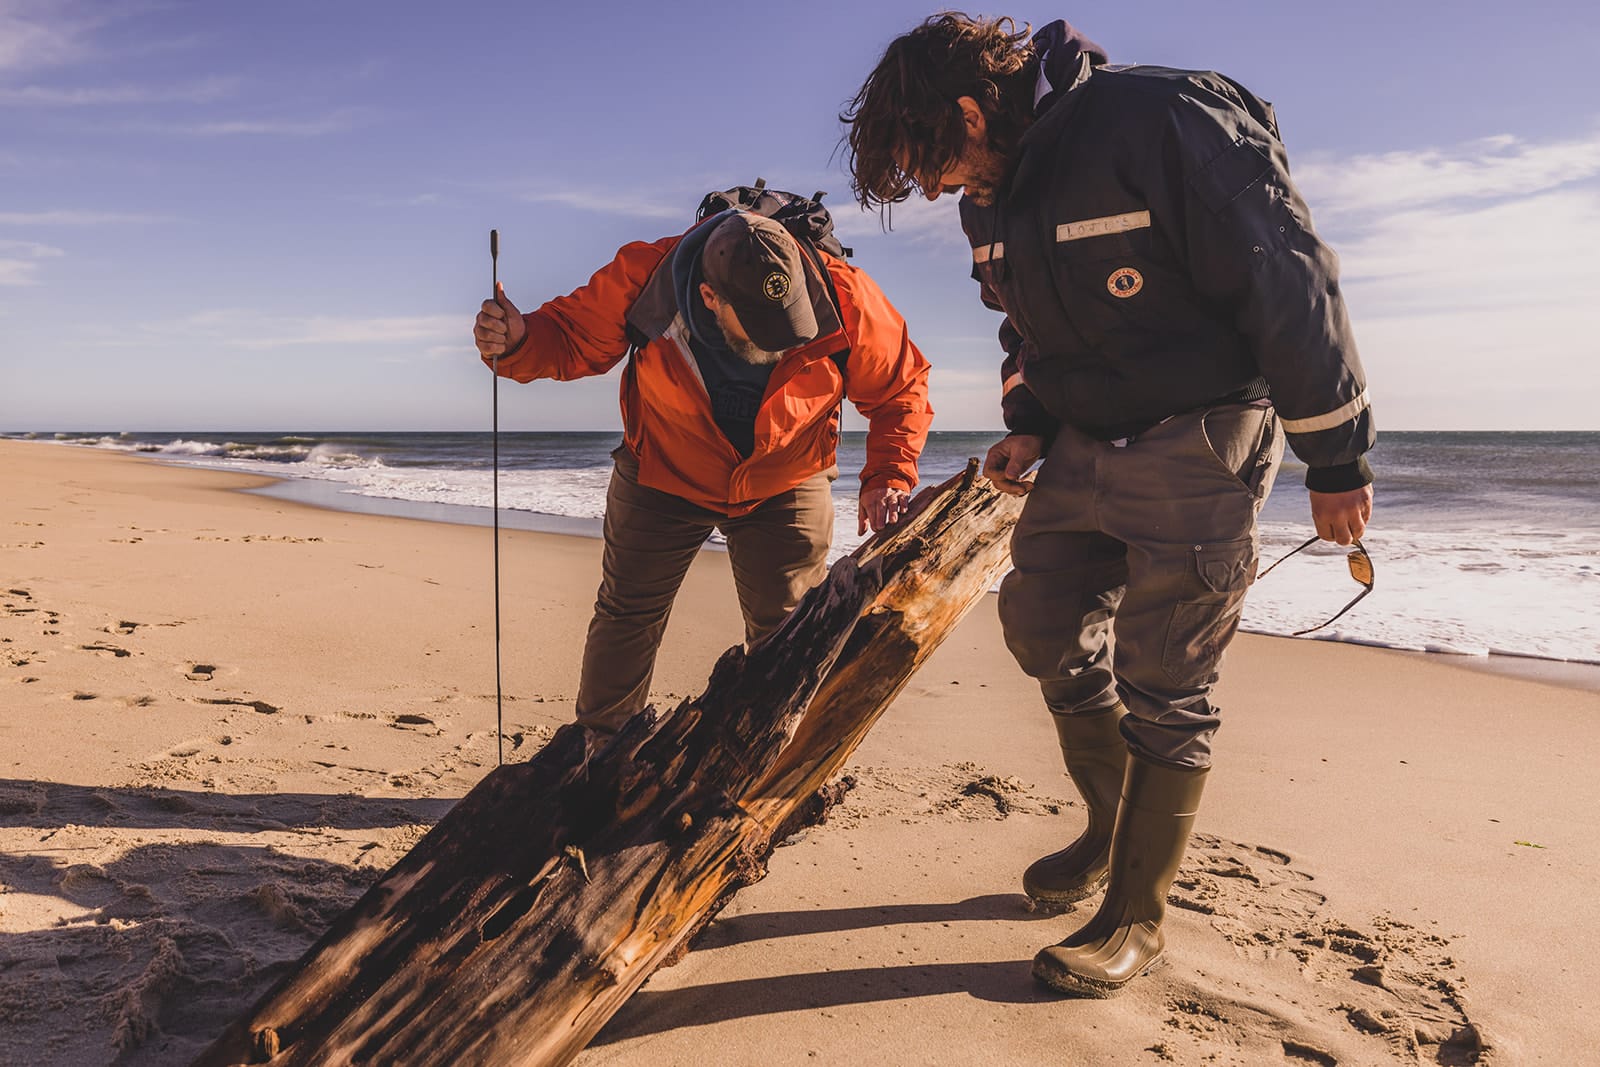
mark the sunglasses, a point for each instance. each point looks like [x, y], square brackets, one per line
[1360, 569]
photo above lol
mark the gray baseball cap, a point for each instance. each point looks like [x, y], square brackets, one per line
[755, 265]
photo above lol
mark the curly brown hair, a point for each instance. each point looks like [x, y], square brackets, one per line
[905, 123]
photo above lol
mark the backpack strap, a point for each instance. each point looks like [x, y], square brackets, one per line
[840, 359]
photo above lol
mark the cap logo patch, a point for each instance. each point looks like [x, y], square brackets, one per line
[776, 286]
[1125, 282]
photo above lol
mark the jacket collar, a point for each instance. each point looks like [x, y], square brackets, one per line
[1067, 60]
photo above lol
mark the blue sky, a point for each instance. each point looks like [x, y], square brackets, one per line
[274, 216]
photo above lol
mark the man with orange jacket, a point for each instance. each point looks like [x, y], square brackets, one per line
[740, 341]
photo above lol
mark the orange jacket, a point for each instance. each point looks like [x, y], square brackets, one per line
[666, 411]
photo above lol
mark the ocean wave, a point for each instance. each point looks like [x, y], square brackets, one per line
[1499, 585]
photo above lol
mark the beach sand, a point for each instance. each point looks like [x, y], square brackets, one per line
[222, 716]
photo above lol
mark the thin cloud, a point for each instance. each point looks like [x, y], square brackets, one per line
[31, 249]
[1462, 263]
[19, 261]
[202, 92]
[338, 122]
[34, 35]
[255, 331]
[1518, 255]
[626, 205]
[73, 218]
[917, 219]
[1490, 168]
[419, 200]
[37, 34]
[18, 272]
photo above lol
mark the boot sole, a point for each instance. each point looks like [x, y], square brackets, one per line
[1049, 973]
[1063, 898]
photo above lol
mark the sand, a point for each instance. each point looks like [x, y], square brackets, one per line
[222, 716]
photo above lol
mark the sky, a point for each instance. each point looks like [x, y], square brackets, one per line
[275, 216]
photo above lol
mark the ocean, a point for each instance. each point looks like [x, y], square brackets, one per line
[1483, 544]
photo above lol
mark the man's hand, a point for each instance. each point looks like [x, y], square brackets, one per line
[1010, 459]
[499, 328]
[881, 506]
[1341, 517]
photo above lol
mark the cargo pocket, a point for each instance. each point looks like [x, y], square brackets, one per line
[1207, 616]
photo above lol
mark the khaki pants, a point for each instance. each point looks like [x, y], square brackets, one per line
[778, 552]
[1131, 566]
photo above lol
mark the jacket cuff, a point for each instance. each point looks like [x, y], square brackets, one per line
[490, 361]
[886, 481]
[1340, 479]
[1023, 414]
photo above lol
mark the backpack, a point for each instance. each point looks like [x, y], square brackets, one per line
[804, 217]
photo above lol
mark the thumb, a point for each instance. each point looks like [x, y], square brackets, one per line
[504, 301]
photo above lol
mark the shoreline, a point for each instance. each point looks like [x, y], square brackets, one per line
[309, 492]
[223, 715]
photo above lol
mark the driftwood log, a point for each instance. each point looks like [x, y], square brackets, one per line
[545, 898]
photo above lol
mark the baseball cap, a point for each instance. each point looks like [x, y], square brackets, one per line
[755, 266]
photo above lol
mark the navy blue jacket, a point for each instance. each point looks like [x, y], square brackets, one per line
[1152, 257]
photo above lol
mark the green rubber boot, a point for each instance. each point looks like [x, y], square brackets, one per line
[1096, 757]
[1124, 938]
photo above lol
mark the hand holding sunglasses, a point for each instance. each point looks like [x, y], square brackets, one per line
[1360, 569]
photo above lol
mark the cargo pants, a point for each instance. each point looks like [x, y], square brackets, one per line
[778, 552]
[1131, 564]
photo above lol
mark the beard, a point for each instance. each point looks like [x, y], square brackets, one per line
[982, 195]
[988, 170]
[752, 353]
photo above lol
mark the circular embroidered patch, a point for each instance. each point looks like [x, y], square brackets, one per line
[1124, 282]
[776, 286]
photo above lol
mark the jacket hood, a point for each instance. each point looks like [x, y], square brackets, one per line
[1066, 58]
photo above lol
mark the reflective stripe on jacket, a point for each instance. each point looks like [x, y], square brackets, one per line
[666, 412]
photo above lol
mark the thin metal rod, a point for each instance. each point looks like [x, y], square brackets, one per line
[499, 714]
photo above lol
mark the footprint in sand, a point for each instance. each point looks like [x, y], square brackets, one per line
[401, 722]
[101, 646]
[260, 705]
[1329, 992]
[201, 672]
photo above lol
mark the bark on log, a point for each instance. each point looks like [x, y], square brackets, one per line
[535, 908]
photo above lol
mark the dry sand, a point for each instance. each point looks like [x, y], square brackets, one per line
[222, 716]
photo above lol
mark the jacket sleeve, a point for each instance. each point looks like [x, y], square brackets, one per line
[886, 378]
[1019, 408]
[584, 333]
[1251, 249]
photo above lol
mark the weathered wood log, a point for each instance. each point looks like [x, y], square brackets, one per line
[534, 909]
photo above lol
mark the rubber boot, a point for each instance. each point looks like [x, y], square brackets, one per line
[1124, 938]
[1096, 758]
